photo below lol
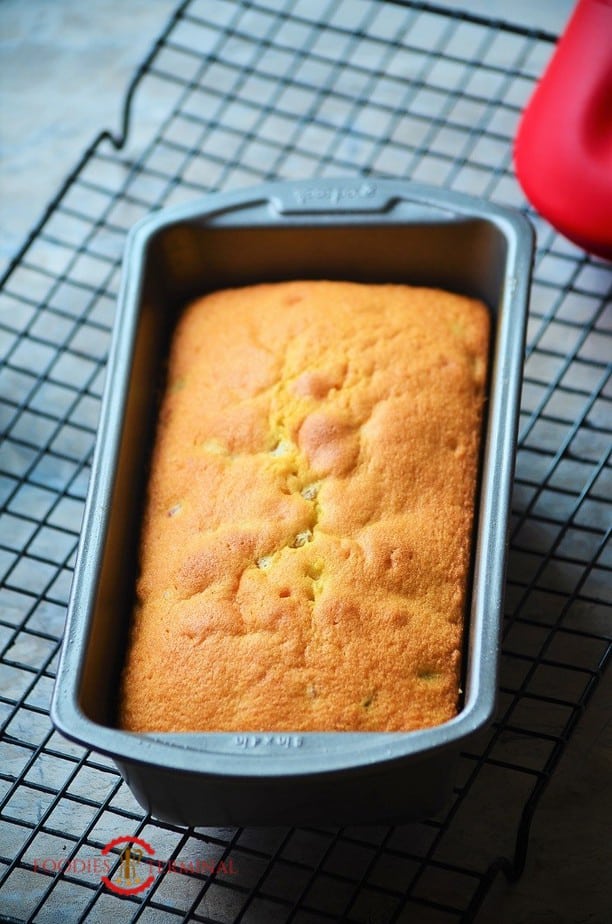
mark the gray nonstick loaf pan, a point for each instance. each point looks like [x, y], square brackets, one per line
[356, 229]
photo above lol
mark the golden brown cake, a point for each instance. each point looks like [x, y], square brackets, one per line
[306, 540]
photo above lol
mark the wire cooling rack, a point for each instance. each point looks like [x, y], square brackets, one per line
[234, 93]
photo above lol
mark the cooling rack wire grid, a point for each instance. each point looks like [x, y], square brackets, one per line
[246, 92]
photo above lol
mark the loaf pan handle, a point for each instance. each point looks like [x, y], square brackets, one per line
[343, 196]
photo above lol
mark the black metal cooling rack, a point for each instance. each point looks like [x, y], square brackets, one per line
[234, 93]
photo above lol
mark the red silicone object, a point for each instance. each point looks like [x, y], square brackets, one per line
[563, 151]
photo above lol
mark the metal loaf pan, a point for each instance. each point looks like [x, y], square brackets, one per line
[362, 230]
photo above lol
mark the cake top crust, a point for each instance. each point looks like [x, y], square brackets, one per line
[307, 534]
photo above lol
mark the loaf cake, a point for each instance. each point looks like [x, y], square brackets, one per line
[306, 540]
